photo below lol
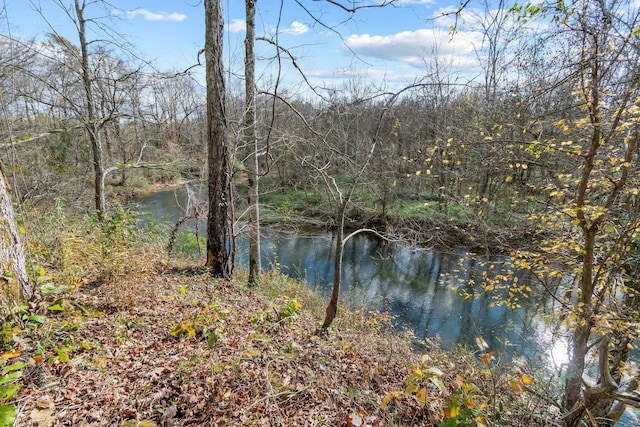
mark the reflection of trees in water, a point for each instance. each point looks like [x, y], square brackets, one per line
[415, 286]
[420, 287]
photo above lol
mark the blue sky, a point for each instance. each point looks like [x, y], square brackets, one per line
[391, 46]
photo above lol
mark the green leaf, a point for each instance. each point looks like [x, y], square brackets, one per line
[10, 377]
[13, 367]
[50, 288]
[63, 354]
[37, 319]
[415, 376]
[533, 10]
[212, 339]
[7, 415]
[451, 422]
[8, 391]
[55, 307]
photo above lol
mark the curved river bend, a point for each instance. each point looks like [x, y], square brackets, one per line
[419, 287]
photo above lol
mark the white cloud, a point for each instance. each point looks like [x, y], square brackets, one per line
[413, 46]
[150, 16]
[296, 28]
[371, 73]
[237, 25]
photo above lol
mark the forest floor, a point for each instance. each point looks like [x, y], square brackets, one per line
[167, 345]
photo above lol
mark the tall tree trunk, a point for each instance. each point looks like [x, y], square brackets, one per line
[91, 124]
[13, 272]
[332, 307]
[217, 221]
[251, 140]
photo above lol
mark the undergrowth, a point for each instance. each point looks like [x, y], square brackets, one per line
[123, 334]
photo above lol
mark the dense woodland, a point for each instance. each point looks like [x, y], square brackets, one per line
[537, 158]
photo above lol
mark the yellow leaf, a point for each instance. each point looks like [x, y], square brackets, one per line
[11, 354]
[411, 388]
[508, 179]
[481, 422]
[421, 395]
[516, 385]
[388, 398]
[470, 403]
[453, 409]
[526, 379]
[183, 289]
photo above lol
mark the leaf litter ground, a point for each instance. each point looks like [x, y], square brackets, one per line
[134, 352]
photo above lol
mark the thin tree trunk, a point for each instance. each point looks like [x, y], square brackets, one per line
[252, 142]
[13, 272]
[332, 307]
[586, 285]
[217, 222]
[91, 123]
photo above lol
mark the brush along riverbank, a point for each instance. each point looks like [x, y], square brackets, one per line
[123, 336]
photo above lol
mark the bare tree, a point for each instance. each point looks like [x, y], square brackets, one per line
[344, 198]
[13, 271]
[91, 124]
[251, 141]
[217, 221]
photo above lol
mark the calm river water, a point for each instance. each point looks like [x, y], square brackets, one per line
[420, 287]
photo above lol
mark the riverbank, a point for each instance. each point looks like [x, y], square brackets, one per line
[143, 341]
[421, 224]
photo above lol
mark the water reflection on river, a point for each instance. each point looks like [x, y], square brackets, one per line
[419, 287]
